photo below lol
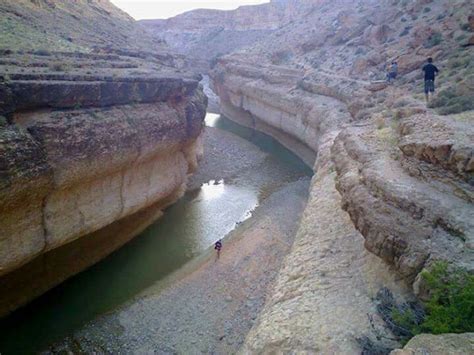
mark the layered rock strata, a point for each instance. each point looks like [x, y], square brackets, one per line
[402, 172]
[81, 150]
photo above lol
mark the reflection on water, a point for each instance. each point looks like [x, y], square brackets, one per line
[187, 229]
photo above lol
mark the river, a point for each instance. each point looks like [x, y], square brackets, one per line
[234, 179]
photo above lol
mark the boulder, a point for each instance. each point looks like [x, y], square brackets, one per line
[430, 344]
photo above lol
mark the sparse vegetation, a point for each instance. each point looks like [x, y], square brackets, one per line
[42, 52]
[450, 308]
[465, 26]
[58, 66]
[3, 121]
[435, 39]
[405, 31]
[281, 57]
[461, 38]
[451, 101]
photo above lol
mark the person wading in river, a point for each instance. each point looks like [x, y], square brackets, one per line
[430, 73]
[218, 247]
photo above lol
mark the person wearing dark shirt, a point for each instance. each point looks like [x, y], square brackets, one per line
[218, 247]
[392, 72]
[430, 74]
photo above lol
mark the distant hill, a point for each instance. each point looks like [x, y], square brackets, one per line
[205, 34]
[64, 25]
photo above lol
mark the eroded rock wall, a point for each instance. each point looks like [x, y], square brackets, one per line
[79, 151]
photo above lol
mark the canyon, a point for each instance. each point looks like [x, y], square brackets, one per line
[114, 134]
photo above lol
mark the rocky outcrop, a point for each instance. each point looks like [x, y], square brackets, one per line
[433, 220]
[438, 344]
[82, 148]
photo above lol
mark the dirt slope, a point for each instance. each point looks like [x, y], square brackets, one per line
[62, 25]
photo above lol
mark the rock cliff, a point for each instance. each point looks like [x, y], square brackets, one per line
[402, 171]
[203, 35]
[87, 139]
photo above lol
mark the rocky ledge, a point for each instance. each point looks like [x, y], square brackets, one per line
[85, 141]
[405, 180]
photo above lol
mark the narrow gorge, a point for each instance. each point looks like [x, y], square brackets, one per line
[129, 147]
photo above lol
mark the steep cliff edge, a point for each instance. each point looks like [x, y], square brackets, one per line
[87, 139]
[402, 171]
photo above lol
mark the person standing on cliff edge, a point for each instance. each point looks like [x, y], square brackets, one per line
[430, 73]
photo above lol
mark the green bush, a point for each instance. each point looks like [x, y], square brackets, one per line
[426, 9]
[435, 39]
[450, 308]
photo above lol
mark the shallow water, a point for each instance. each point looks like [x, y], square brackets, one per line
[187, 230]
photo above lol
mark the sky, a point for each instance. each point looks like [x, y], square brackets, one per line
[151, 9]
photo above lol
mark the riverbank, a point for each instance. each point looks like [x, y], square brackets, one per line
[211, 308]
[212, 304]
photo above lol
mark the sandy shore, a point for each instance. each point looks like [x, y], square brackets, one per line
[209, 305]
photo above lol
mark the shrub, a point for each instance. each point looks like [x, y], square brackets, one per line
[461, 38]
[3, 121]
[435, 39]
[426, 10]
[450, 308]
[42, 52]
[465, 26]
[280, 57]
[405, 31]
[450, 101]
[57, 66]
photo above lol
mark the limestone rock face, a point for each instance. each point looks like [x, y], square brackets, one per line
[438, 344]
[83, 148]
